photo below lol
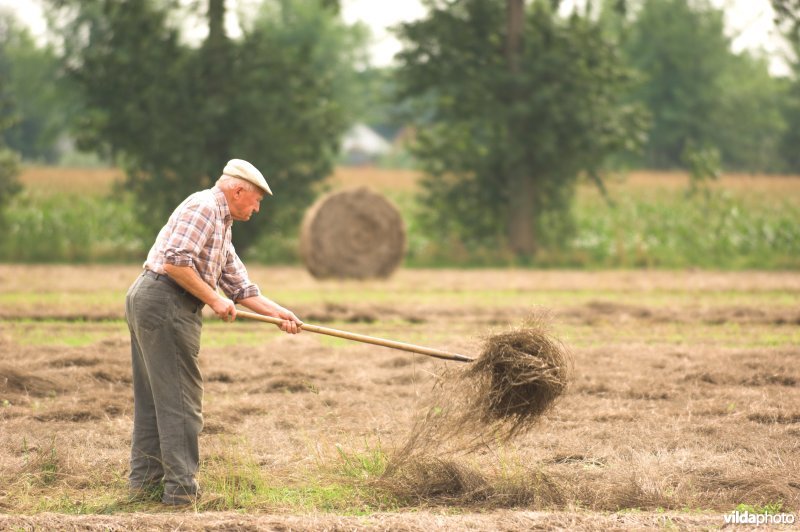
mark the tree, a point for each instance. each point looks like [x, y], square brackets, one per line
[683, 52]
[9, 160]
[174, 114]
[787, 14]
[788, 21]
[701, 95]
[294, 101]
[507, 125]
[141, 102]
[751, 121]
[43, 99]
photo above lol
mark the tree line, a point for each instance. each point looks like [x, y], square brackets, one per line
[512, 102]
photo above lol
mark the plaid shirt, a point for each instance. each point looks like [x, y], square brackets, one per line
[198, 234]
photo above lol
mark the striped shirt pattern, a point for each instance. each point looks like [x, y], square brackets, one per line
[198, 234]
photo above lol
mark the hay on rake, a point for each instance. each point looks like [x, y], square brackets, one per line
[518, 377]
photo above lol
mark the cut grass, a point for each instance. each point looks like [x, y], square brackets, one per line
[112, 302]
[222, 335]
[63, 333]
[231, 479]
[234, 480]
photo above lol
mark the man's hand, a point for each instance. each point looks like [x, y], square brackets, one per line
[291, 323]
[260, 304]
[224, 308]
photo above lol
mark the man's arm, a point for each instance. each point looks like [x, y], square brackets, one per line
[187, 277]
[262, 305]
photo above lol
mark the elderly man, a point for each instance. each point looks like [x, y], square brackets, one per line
[191, 257]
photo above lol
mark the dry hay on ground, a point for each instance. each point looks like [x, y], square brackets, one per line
[18, 381]
[415, 521]
[352, 234]
[665, 412]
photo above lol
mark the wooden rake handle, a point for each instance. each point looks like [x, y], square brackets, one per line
[361, 338]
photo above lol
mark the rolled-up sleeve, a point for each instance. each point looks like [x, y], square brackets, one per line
[234, 280]
[193, 227]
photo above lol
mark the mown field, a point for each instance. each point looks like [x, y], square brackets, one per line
[684, 404]
[741, 222]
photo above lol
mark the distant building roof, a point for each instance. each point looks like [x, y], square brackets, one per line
[363, 139]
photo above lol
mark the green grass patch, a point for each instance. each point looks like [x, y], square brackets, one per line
[772, 508]
[234, 480]
[731, 335]
[63, 333]
[64, 300]
[113, 301]
[505, 298]
[231, 479]
[368, 464]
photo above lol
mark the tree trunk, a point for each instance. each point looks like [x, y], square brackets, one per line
[521, 236]
[217, 70]
[216, 21]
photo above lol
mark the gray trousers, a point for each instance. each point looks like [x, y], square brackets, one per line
[165, 324]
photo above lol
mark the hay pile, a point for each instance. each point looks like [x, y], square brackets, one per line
[518, 377]
[352, 234]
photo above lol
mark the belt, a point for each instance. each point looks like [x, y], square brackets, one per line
[164, 278]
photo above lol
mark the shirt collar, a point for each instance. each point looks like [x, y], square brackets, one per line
[222, 203]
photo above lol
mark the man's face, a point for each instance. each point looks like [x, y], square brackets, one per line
[244, 203]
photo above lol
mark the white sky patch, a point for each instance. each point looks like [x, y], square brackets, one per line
[379, 16]
[28, 12]
[749, 23]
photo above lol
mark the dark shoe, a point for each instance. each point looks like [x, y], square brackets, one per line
[181, 497]
[175, 499]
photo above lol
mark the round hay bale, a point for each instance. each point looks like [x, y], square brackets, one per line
[352, 234]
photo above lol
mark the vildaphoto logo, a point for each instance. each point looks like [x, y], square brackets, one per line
[751, 518]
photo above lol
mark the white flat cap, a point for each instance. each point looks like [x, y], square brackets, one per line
[244, 170]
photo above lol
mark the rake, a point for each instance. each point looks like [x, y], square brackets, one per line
[422, 350]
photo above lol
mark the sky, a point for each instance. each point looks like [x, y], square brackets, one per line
[749, 23]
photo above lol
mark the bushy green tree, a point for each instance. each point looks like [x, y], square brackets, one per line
[788, 20]
[505, 128]
[173, 114]
[9, 170]
[9, 160]
[697, 90]
[44, 100]
[790, 143]
[142, 95]
[751, 122]
[682, 50]
[294, 98]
